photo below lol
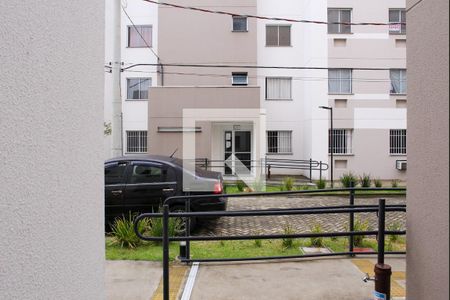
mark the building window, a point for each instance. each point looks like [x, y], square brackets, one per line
[338, 21]
[240, 79]
[396, 17]
[136, 141]
[398, 141]
[240, 24]
[278, 88]
[279, 142]
[399, 82]
[137, 88]
[140, 37]
[342, 141]
[340, 81]
[278, 35]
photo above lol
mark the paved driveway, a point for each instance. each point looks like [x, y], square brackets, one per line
[276, 224]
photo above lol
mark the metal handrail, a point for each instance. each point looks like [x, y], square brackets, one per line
[268, 164]
[381, 210]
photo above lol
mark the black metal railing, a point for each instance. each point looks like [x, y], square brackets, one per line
[381, 209]
[268, 165]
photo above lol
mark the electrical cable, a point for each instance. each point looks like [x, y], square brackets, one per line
[414, 6]
[219, 66]
[219, 12]
[139, 33]
[375, 80]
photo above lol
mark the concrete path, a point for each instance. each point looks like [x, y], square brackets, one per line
[324, 279]
[132, 280]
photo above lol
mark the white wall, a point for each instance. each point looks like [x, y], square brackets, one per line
[51, 202]
[309, 48]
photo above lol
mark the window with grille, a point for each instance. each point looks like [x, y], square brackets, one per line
[278, 88]
[240, 24]
[396, 18]
[341, 139]
[137, 88]
[399, 82]
[340, 81]
[136, 141]
[338, 20]
[279, 142]
[140, 36]
[278, 35]
[398, 141]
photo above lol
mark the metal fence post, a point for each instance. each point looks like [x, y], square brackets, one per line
[383, 272]
[352, 222]
[166, 288]
[310, 170]
[188, 228]
[320, 170]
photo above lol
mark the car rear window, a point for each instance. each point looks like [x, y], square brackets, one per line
[114, 174]
[146, 174]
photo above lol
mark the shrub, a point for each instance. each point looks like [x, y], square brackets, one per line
[288, 242]
[365, 180]
[123, 231]
[360, 226]
[176, 227]
[321, 184]
[349, 180]
[288, 184]
[241, 186]
[317, 241]
[395, 183]
[378, 183]
[394, 227]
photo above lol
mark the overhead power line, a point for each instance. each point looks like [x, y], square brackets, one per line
[219, 66]
[301, 78]
[219, 12]
[414, 6]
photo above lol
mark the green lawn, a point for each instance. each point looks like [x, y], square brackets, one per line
[232, 189]
[234, 249]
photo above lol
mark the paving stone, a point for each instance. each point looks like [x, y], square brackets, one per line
[302, 223]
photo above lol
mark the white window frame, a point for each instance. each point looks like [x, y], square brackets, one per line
[397, 29]
[343, 141]
[150, 43]
[141, 79]
[140, 146]
[278, 26]
[279, 98]
[403, 82]
[398, 142]
[284, 141]
[341, 80]
[239, 74]
[341, 26]
[242, 18]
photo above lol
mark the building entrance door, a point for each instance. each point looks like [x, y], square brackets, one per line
[238, 145]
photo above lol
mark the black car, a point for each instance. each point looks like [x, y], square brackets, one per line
[141, 184]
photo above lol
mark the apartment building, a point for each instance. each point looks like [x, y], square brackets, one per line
[369, 134]
[369, 106]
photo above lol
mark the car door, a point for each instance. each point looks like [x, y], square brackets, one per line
[115, 180]
[146, 187]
